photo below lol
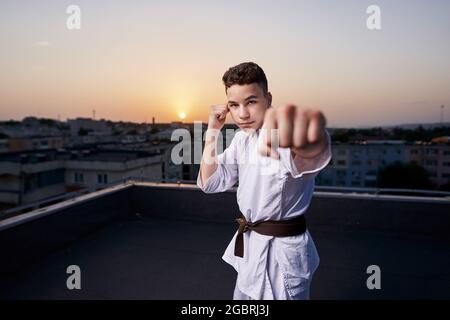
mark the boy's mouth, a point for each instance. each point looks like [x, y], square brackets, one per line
[244, 124]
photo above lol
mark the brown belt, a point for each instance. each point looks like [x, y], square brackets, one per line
[276, 228]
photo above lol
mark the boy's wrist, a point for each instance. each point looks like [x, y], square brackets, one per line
[211, 134]
[212, 131]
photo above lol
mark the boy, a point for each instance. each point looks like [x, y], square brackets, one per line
[272, 251]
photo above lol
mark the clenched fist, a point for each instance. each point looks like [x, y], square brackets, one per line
[217, 116]
[302, 130]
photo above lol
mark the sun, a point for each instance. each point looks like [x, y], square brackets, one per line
[182, 115]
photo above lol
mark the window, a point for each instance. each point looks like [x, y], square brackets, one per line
[370, 183]
[78, 177]
[372, 162]
[356, 174]
[341, 173]
[325, 182]
[186, 171]
[341, 162]
[43, 179]
[102, 178]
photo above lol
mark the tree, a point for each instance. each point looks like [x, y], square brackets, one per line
[83, 132]
[116, 132]
[404, 175]
[48, 122]
[154, 130]
[342, 137]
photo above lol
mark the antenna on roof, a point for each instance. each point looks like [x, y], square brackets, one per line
[442, 114]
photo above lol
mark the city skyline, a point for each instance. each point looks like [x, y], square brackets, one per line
[136, 61]
[182, 121]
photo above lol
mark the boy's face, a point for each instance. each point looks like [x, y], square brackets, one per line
[248, 105]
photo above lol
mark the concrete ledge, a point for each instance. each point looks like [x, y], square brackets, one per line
[43, 231]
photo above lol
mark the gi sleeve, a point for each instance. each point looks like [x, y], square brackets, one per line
[226, 174]
[300, 167]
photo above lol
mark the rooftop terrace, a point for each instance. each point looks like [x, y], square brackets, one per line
[142, 240]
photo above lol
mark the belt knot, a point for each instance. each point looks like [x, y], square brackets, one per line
[244, 225]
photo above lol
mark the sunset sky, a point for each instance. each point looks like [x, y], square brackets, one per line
[134, 60]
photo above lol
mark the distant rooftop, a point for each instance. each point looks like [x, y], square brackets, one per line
[141, 240]
[82, 154]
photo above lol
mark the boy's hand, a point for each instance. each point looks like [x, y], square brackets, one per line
[217, 116]
[302, 130]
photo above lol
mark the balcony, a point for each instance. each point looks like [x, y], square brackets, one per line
[140, 240]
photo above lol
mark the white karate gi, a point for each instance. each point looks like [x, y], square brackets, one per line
[269, 189]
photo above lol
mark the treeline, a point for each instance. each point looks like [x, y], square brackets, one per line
[410, 135]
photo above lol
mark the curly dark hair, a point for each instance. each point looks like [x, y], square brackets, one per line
[245, 73]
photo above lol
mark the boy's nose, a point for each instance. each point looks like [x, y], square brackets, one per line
[243, 112]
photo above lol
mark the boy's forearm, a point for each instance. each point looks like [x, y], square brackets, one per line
[208, 163]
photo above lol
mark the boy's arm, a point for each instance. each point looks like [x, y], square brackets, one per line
[300, 165]
[208, 164]
[217, 172]
[216, 120]
[305, 145]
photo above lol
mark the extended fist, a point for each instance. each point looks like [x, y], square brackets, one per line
[302, 130]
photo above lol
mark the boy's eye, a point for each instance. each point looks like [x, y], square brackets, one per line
[251, 102]
[233, 105]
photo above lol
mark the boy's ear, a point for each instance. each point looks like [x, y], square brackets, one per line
[269, 99]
